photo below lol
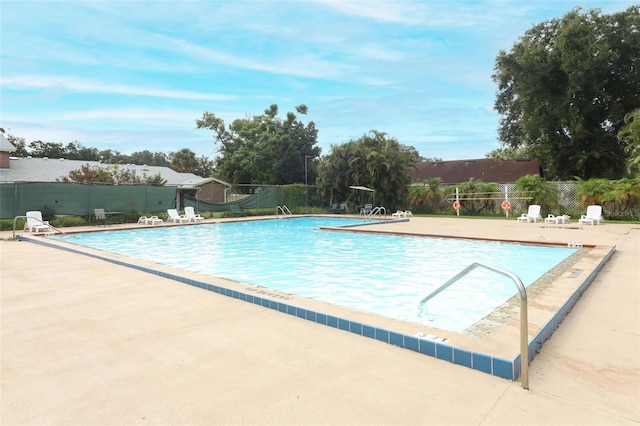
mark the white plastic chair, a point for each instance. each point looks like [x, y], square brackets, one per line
[151, 220]
[401, 213]
[190, 214]
[593, 216]
[532, 215]
[35, 222]
[557, 219]
[175, 217]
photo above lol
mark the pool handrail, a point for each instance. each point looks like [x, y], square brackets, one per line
[378, 211]
[33, 218]
[524, 322]
[284, 210]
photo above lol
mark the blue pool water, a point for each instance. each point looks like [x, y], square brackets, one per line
[383, 274]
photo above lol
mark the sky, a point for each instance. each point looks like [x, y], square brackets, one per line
[132, 75]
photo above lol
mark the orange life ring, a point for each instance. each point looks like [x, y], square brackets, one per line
[506, 205]
[456, 205]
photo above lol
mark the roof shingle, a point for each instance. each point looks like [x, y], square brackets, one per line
[484, 169]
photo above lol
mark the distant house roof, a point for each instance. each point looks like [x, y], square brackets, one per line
[484, 169]
[50, 170]
[5, 145]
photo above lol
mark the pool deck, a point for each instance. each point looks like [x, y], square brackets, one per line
[85, 341]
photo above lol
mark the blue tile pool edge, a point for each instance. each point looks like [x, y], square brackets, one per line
[496, 366]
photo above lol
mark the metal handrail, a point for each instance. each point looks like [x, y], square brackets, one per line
[376, 211]
[285, 211]
[524, 323]
[25, 218]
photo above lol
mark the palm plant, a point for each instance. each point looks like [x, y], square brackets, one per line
[477, 196]
[435, 192]
[417, 196]
[592, 191]
[623, 196]
[630, 134]
[541, 191]
[375, 161]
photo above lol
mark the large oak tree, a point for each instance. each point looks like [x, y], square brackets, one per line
[565, 87]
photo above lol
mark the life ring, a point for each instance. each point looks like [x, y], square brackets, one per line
[456, 205]
[506, 205]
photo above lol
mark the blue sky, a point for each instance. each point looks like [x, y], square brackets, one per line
[135, 75]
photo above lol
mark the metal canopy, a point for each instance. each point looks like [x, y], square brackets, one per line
[362, 188]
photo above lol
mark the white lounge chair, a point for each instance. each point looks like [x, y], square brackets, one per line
[402, 213]
[190, 214]
[175, 217]
[593, 216]
[35, 222]
[532, 215]
[151, 220]
[557, 219]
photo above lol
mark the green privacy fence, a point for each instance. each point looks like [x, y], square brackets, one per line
[264, 197]
[261, 197]
[57, 198]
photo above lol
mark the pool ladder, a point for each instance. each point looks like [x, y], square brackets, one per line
[283, 211]
[378, 212]
[524, 322]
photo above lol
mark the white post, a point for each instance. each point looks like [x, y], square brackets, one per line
[506, 197]
[458, 200]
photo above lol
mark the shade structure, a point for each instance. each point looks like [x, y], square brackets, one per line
[362, 188]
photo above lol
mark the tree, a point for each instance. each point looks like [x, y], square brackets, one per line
[417, 196]
[76, 151]
[375, 161]
[429, 193]
[630, 136]
[108, 156]
[564, 88]
[592, 191]
[264, 149]
[623, 197]
[541, 192]
[510, 153]
[113, 175]
[184, 161]
[156, 180]
[149, 158]
[618, 197]
[19, 143]
[206, 167]
[435, 192]
[47, 149]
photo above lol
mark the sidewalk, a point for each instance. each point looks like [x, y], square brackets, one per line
[84, 341]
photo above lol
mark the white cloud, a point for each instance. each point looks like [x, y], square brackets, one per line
[89, 86]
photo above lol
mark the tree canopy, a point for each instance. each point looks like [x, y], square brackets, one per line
[113, 175]
[184, 160]
[630, 136]
[375, 161]
[565, 87]
[264, 149]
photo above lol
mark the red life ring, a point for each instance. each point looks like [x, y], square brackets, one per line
[506, 205]
[456, 205]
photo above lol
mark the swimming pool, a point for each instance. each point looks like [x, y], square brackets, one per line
[382, 274]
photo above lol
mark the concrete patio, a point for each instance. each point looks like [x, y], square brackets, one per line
[84, 341]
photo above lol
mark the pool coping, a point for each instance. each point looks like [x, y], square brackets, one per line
[446, 346]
